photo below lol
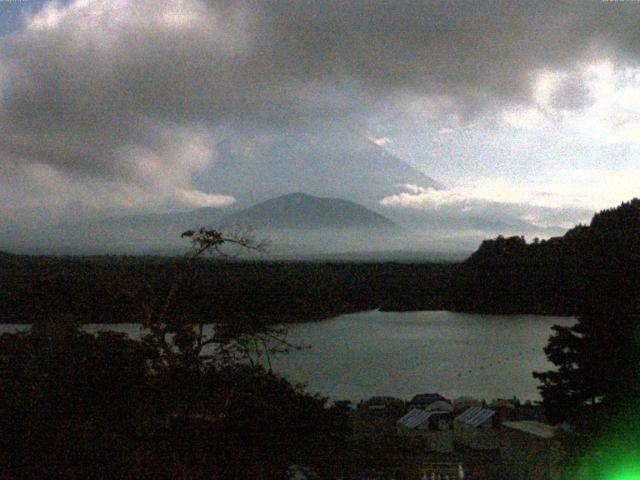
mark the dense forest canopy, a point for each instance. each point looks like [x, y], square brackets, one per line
[565, 275]
[561, 276]
[595, 385]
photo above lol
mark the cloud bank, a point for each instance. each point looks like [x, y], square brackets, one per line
[550, 204]
[119, 104]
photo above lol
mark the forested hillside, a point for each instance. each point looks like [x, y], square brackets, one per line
[113, 289]
[587, 268]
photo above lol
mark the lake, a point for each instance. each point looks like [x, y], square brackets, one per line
[403, 353]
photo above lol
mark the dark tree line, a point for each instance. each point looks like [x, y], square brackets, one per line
[574, 274]
[105, 289]
[77, 405]
[595, 385]
[559, 276]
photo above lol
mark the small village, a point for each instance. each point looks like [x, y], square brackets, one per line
[465, 438]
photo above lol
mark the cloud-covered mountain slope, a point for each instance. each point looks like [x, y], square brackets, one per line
[341, 164]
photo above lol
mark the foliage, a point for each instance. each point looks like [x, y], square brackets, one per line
[506, 275]
[595, 385]
[106, 289]
[180, 403]
[596, 366]
[69, 400]
[584, 271]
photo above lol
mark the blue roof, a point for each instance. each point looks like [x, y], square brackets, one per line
[533, 428]
[415, 418]
[418, 418]
[475, 416]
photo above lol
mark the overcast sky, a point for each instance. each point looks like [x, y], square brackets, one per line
[114, 106]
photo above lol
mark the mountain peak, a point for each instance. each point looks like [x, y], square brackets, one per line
[334, 163]
[300, 210]
[295, 196]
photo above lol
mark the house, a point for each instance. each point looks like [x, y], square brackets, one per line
[434, 427]
[439, 406]
[477, 428]
[460, 404]
[343, 405]
[530, 450]
[506, 409]
[423, 400]
[382, 402]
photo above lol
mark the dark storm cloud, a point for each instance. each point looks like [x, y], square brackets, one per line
[478, 52]
[572, 94]
[85, 85]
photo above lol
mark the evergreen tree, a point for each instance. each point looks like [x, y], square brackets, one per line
[596, 362]
[595, 386]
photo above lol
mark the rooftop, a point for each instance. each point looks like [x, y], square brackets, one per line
[538, 429]
[382, 400]
[427, 398]
[475, 416]
[417, 417]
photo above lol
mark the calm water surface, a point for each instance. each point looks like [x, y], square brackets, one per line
[401, 354]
